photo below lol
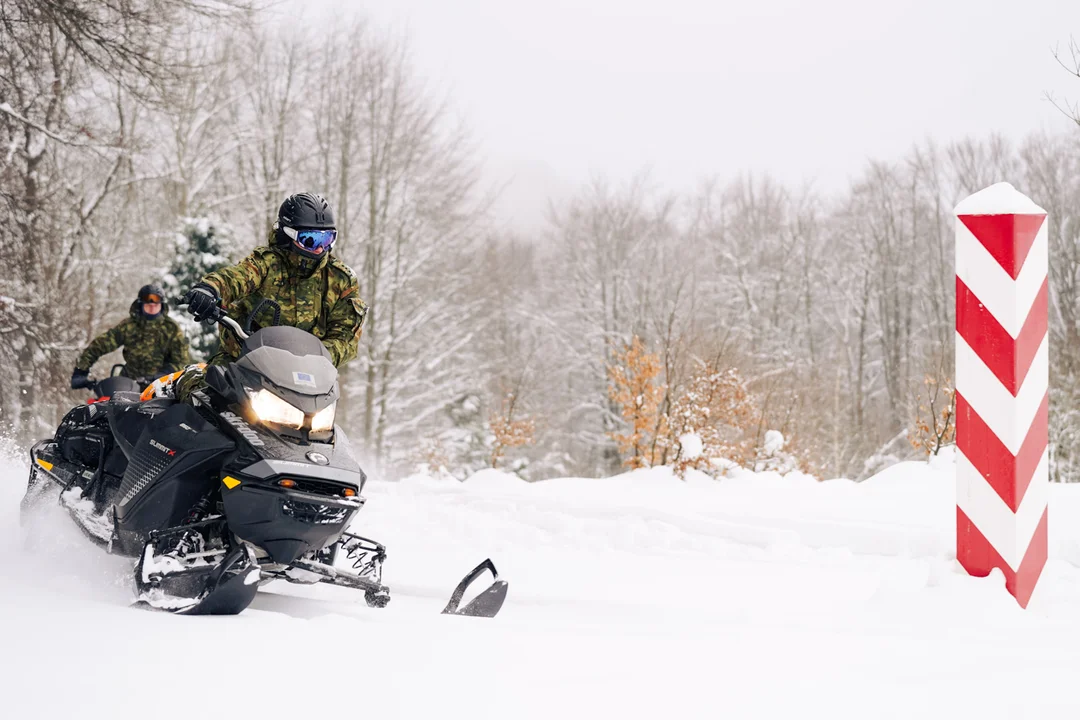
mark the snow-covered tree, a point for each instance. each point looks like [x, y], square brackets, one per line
[200, 247]
[712, 421]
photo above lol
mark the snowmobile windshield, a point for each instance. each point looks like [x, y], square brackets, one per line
[290, 359]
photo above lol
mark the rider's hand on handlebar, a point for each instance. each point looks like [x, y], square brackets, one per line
[80, 379]
[203, 302]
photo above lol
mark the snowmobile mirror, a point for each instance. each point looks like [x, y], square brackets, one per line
[486, 604]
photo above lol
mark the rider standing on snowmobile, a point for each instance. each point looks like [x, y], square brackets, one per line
[315, 290]
[153, 343]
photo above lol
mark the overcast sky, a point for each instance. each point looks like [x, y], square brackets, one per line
[558, 90]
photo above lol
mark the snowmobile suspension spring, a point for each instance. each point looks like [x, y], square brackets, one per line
[198, 510]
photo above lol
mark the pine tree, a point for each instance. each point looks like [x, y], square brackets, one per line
[464, 447]
[200, 248]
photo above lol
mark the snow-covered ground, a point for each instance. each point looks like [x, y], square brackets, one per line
[635, 596]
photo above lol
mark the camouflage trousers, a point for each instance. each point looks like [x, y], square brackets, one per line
[181, 384]
[193, 377]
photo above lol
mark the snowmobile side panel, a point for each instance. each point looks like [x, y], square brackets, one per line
[176, 463]
[116, 462]
[128, 418]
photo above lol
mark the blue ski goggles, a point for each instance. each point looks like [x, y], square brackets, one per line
[314, 241]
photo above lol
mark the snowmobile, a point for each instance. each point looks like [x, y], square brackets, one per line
[100, 390]
[249, 482]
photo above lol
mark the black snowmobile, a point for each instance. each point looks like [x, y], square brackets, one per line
[250, 482]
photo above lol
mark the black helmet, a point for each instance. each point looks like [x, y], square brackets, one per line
[305, 225]
[151, 293]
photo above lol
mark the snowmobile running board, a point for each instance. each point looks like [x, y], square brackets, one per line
[486, 604]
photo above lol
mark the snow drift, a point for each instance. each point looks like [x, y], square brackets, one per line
[634, 596]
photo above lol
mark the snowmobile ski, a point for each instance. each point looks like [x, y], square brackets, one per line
[223, 589]
[486, 604]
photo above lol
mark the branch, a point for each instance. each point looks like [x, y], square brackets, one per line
[10, 112]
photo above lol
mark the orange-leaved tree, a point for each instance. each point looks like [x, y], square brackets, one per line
[934, 425]
[712, 420]
[507, 431]
[634, 385]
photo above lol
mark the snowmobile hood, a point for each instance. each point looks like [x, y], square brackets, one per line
[293, 361]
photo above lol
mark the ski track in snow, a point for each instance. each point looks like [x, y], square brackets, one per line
[635, 596]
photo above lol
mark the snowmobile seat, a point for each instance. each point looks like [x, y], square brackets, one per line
[124, 397]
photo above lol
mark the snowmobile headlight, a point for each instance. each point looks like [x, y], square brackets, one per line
[323, 420]
[269, 408]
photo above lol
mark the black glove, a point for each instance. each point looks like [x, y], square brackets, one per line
[80, 379]
[203, 302]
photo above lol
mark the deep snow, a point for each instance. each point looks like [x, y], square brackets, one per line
[634, 596]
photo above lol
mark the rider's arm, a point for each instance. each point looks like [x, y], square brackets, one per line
[104, 343]
[240, 280]
[344, 325]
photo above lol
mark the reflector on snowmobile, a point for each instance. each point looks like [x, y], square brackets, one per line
[487, 603]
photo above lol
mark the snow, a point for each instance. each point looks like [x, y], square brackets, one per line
[73, 500]
[641, 595]
[774, 442]
[493, 479]
[998, 199]
[690, 446]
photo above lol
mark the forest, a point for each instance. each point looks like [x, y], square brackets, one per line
[745, 322]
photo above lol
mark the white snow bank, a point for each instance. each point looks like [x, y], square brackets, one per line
[998, 199]
[492, 479]
[637, 596]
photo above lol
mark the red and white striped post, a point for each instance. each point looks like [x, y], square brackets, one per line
[1002, 387]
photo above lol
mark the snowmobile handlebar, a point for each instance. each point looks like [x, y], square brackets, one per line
[232, 325]
[244, 332]
[217, 314]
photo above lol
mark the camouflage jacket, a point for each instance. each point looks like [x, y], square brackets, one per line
[325, 303]
[152, 347]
